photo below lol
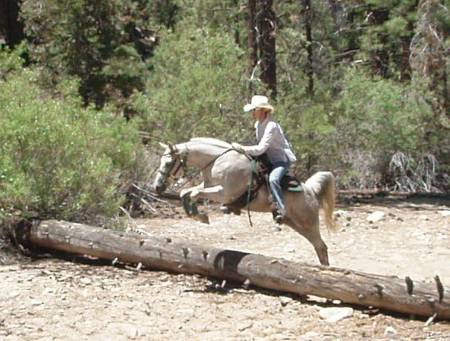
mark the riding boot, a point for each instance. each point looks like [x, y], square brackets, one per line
[227, 209]
[278, 215]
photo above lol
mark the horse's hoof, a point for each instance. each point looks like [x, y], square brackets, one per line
[203, 218]
[225, 209]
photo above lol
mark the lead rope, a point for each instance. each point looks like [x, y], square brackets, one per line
[249, 192]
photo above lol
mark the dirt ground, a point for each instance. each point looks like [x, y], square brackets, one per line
[55, 299]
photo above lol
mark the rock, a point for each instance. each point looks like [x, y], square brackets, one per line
[36, 302]
[245, 325]
[339, 213]
[376, 217]
[445, 213]
[333, 315]
[389, 331]
[85, 280]
[317, 299]
[285, 300]
[309, 336]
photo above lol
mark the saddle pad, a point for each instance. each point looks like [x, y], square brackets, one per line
[291, 183]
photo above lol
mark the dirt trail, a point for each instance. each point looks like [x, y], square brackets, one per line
[54, 299]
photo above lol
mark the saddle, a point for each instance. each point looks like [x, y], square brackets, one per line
[261, 168]
[289, 182]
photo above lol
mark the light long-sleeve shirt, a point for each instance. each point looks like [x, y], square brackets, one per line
[271, 140]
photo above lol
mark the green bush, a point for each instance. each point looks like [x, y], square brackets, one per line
[196, 88]
[58, 159]
[374, 119]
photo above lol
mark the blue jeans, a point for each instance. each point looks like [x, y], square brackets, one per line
[279, 169]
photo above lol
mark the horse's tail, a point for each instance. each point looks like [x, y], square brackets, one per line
[322, 184]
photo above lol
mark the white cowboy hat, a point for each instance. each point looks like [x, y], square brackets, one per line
[258, 102]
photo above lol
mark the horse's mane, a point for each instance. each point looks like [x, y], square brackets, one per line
[211, 141]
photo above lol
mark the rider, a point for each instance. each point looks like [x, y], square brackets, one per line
[271, 140]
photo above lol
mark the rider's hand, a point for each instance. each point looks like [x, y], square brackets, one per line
[238, 147]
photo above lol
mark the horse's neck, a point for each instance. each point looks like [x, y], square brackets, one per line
[200, 155]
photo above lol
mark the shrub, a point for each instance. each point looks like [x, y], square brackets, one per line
[196, 88]
[374, 119]
[57, 158]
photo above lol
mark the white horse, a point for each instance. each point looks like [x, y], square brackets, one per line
[226, 174]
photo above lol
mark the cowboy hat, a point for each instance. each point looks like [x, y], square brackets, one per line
[258, 102]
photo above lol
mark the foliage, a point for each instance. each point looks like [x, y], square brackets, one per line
[379, 73]
[10, 60]
[413, 174]
[104, 43]
[379, 117]
[58, 159]
[195, 89]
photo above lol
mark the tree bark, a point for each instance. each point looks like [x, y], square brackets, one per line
[11, 28]
[251, 40]
[306, 13]
[386, 292]
[266, 23]
[379, 58]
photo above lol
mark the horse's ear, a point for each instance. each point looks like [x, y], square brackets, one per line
[171, 147]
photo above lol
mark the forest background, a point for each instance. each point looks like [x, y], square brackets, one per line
[88, 88]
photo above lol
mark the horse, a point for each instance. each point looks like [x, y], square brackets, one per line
[226, 174]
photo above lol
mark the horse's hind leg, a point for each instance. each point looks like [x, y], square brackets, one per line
[312, 233]
[321, 249]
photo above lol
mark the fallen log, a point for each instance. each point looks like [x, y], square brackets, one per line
[381, 194]
[389, 293]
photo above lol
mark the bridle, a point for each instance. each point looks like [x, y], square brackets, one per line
[172, 171]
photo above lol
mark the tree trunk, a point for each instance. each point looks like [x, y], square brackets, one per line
[266, 24]
[379, 57]
[336, 13]
[306, 13]
[385, 292]
[251, 40]
[11, 29]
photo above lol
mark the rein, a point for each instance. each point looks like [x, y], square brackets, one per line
[191, 208]
[189, 179]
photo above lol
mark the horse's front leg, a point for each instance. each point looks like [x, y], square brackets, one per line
[189, 190]
[211, 193]
[190, 205]
[214, 193]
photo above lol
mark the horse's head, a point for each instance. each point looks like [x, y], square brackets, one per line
[171, 167]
